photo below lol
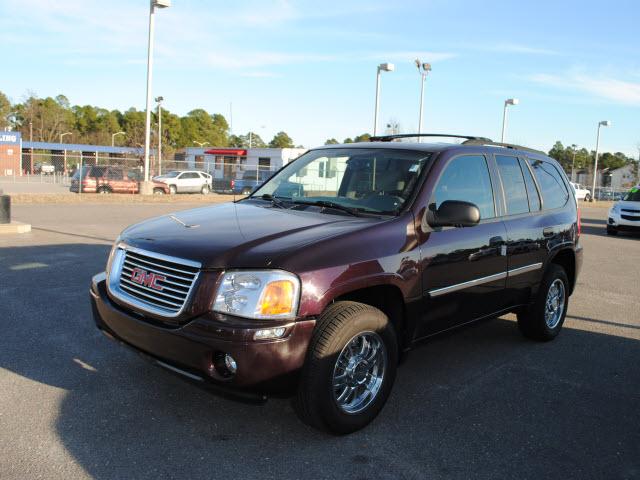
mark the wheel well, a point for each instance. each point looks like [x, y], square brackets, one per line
[567, 260]
[390, 301]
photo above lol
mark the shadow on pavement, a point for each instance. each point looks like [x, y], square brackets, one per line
[480, 403]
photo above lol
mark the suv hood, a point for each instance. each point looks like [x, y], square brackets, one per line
[238, 235]
[628, 205]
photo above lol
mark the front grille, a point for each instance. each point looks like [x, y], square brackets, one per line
[630, 218]
[630, 210]
[152, 282]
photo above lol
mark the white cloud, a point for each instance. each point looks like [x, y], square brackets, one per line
[619, 91]
[518, 48]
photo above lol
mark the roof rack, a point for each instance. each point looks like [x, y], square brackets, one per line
[480, 141]
[389, 138]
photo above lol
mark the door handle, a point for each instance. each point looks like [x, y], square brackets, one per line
[548, 232]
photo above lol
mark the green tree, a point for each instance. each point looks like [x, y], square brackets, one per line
[331, 141]
[5, 111]
[348, 140]
[281, 140]
[49, 117]
[250, 140]
[133, 124]
[364, 137]
[199, 126]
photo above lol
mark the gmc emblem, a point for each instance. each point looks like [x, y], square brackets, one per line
[148, 279]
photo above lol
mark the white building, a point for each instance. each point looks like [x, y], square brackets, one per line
[229, 163]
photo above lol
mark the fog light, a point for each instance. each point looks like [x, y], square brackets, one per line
[267, 333]
[230, 363]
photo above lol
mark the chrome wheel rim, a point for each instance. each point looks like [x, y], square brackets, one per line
[554, 306]
[359, 372]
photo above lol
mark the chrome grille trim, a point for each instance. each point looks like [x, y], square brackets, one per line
[180, 278]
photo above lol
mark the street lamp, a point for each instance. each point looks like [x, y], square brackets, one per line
[200, 144]
[147, 187]
[113, 137]
[383, 67]
[507, 102]
[159, 101]
[423, 70]
[603, 123]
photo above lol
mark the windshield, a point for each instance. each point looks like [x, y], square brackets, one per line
[171, 174]
[633, 195]
[364, 179]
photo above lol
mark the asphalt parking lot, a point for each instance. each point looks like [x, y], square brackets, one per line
[482, 402]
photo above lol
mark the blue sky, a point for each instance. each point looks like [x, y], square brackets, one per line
[308, 67]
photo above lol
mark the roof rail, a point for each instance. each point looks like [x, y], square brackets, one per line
[480, 141]
[389, 138]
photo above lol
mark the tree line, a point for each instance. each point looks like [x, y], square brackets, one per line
[571, 156]
[45, 119]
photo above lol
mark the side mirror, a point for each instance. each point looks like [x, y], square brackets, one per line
[454, 213]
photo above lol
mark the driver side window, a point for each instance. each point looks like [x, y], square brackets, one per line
[466, 178]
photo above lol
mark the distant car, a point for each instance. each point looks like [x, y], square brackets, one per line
[249, 182]
[191, 181]
[581, 192]
[625, 214]
[44, 169]
[110, 179]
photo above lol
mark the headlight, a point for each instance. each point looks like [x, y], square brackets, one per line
[258, 294]
[111, 254]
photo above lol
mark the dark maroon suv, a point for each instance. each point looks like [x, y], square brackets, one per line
[319, 282]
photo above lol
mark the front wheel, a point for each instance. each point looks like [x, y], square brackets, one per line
[172, 189]
[350, 368]
[611, 230]
[158, 191]
[587, 197]
[543, 319]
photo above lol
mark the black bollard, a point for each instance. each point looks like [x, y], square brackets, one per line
[5, 209]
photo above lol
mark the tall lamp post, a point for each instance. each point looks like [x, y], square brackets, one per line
[383, 67]
[147, 187]
[423, 69]
[64, 164]
[507, 102]
[603, 123]
[200, 144]
[113, 137]
[159, 101]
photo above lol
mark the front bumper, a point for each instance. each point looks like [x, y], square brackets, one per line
[263, 367]
[631, 223]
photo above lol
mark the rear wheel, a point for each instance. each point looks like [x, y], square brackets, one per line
[544, 318]
[103, 190]
[350, 368]
[172, 189]
[587, 197]
[205, 190]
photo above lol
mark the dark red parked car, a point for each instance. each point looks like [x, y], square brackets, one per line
[320, 281]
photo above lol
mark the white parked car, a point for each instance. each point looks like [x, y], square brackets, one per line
[582, 193]
[625, 214]
[190, 181]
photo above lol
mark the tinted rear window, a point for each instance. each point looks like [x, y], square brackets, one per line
[554, 192]
[515, 191]
[532, 191]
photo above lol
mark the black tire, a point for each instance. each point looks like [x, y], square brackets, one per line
[172, 189]
[587, 197]
[611, 230]
[158, 191]
[341, 322]
[531, 320]
[205, 190]
[103, 190]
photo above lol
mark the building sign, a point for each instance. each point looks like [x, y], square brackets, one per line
[9, 138]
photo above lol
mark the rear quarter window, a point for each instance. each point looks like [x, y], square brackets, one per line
[553, 189]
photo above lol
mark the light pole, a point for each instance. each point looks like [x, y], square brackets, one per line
[603, 123]
[113, 137]
[573, 163]
[383, 67]
[147, 187]
[64, 164]
[200, 144]
[507, 102]
[159, 100]
[423, 70]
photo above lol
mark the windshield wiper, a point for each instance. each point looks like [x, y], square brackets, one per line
[274, 200]
[334, 205]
